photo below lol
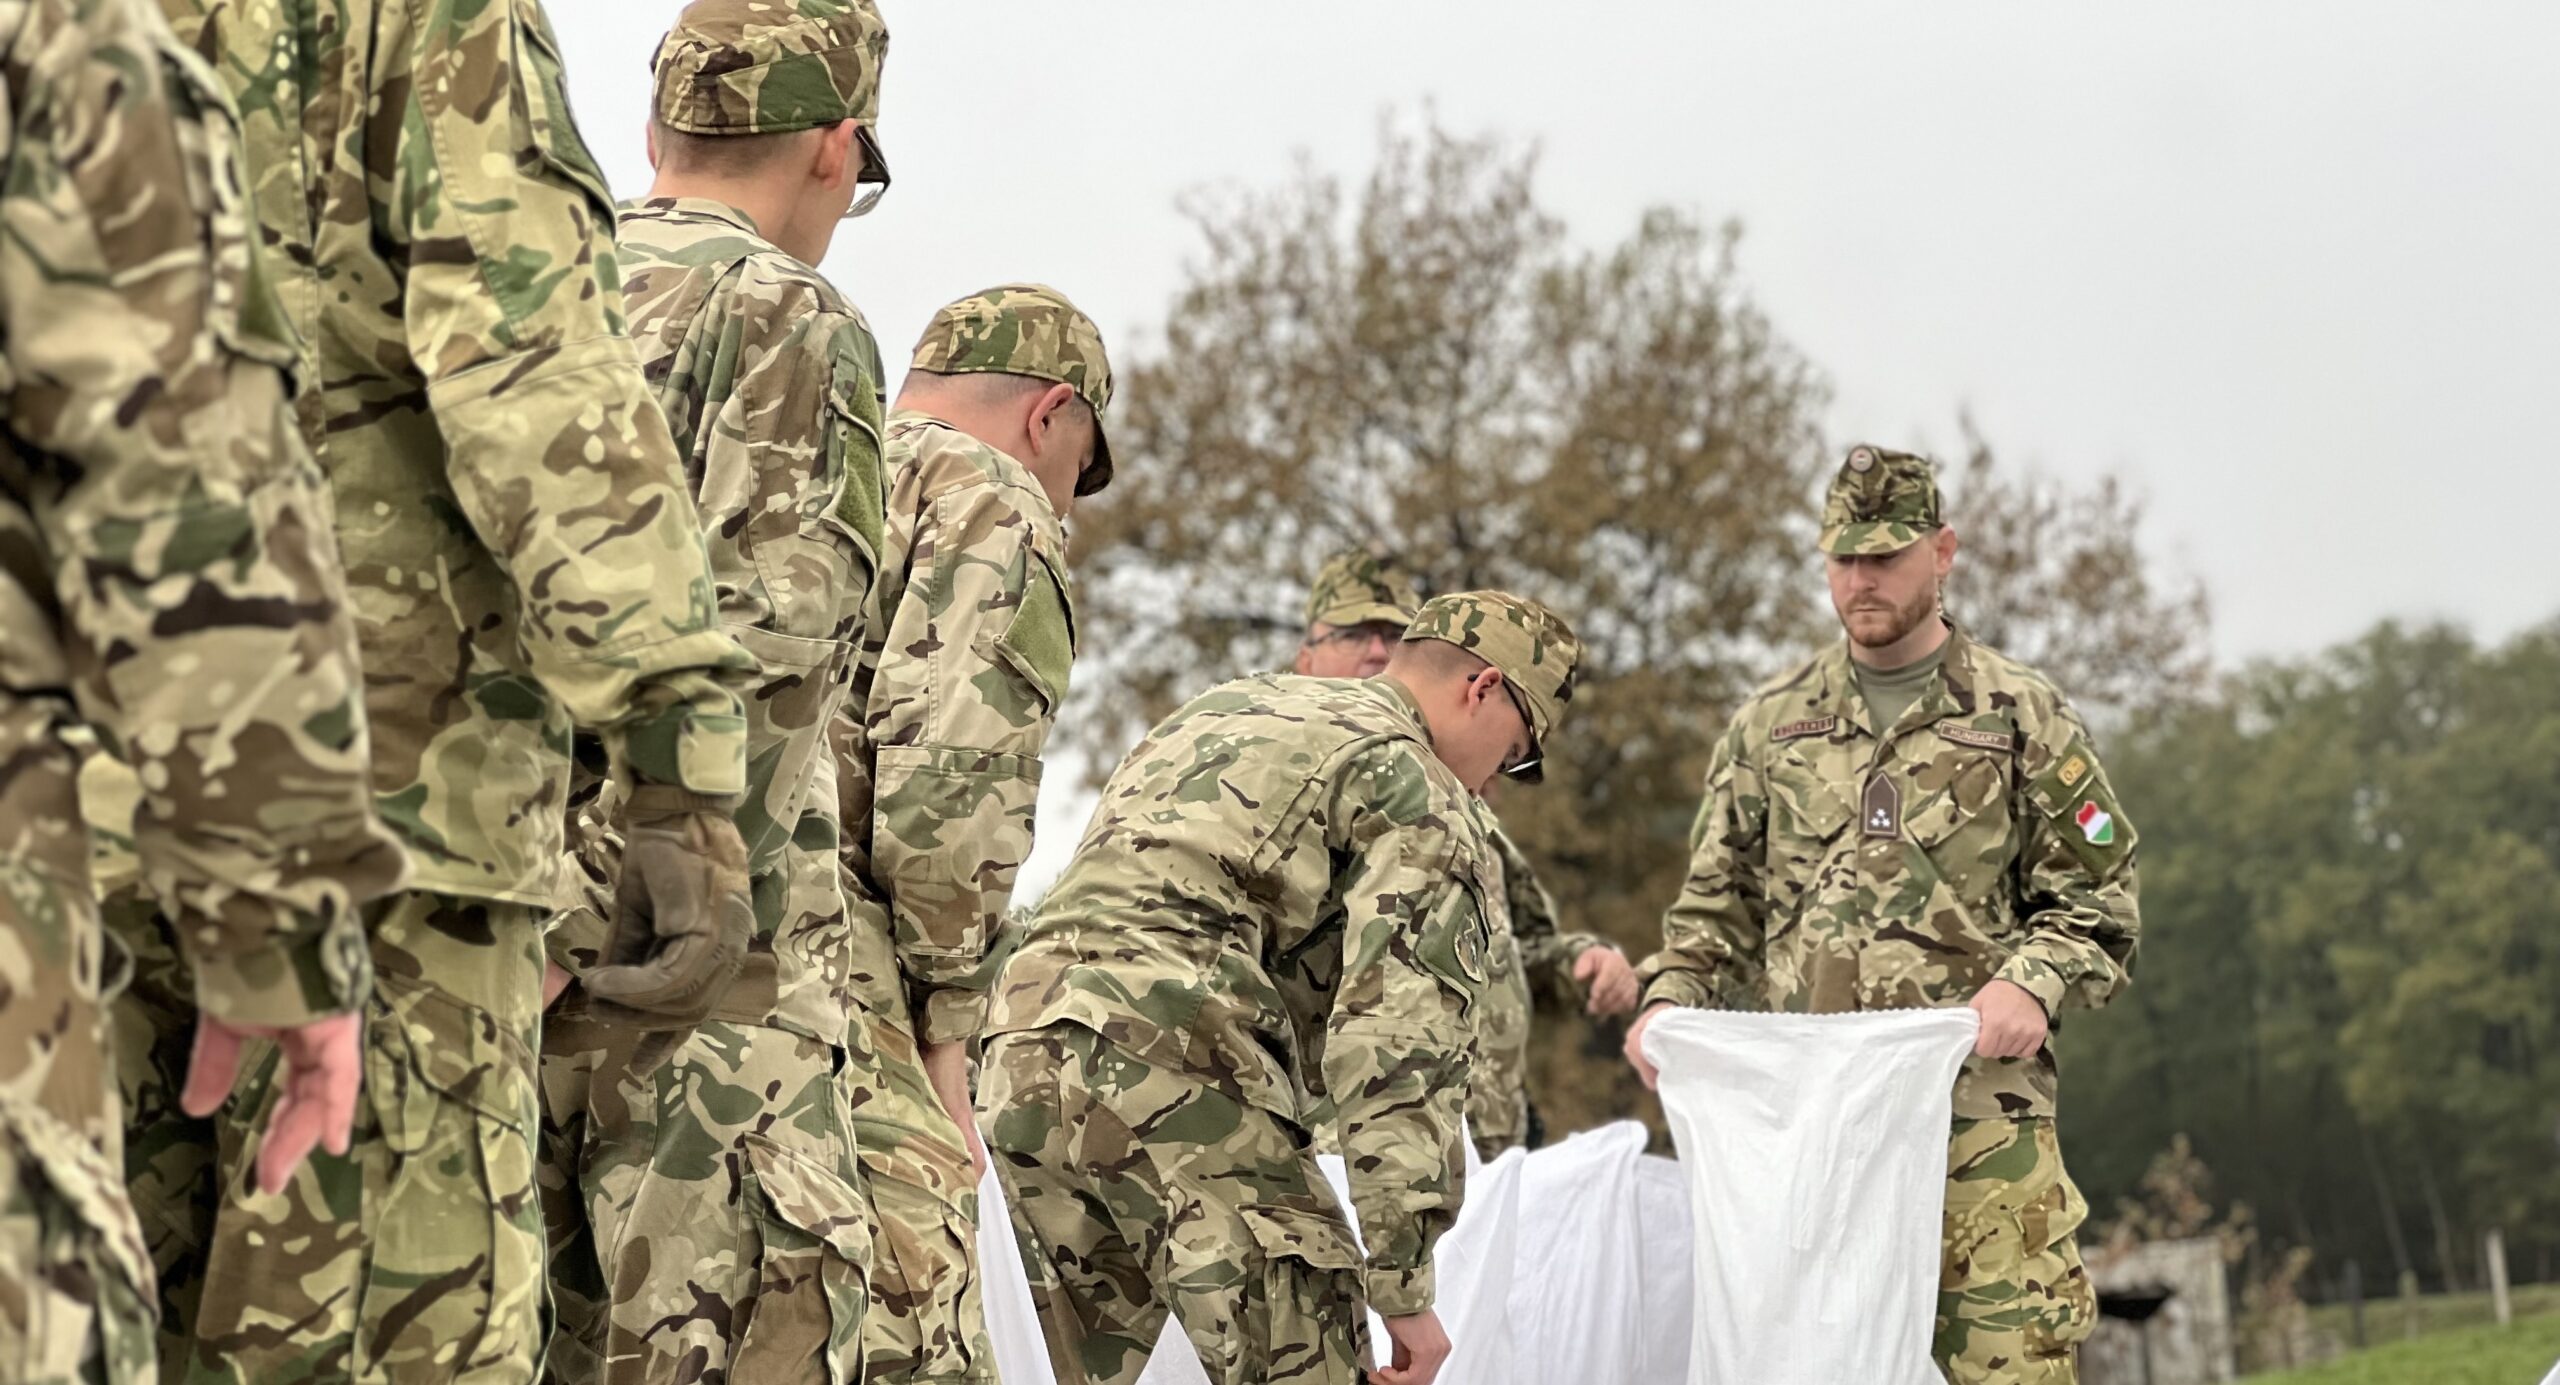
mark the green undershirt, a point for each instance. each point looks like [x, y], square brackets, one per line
[1891, 691]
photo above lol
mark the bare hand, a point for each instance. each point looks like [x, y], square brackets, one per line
[1420, 1348]
[1608, 981]
[323, 1065]
[2013, 1021]
[1635, 1045]
[555, 979]
[946, 1066]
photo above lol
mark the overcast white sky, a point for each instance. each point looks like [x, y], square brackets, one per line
[2291, 268]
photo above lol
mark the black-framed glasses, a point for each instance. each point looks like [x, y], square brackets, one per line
[1531, 769]
[872, 183]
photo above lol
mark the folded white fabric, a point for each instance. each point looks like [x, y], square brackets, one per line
[1816, 1153]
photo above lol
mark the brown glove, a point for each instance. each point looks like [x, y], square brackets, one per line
[681, 913]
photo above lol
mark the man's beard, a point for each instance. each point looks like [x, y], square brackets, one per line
[1905, 619]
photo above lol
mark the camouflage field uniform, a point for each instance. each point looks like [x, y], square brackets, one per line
[1359, 588]
[167, 579]
[1840, 866]
[704, 1219]
[523, 558]
[1276, 924]
[939, 757]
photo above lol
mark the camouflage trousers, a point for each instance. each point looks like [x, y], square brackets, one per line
[75, 1284]
[928, 1322]
[1135, 1192]
[169, 1156]
[706, 1220]
[416, 1256]
[2014, 1302]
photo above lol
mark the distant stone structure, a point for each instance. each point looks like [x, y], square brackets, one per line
[2190, 1335]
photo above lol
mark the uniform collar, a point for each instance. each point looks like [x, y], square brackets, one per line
[691, 210]
[1951, 693]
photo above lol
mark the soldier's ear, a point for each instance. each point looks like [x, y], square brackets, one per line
[836, 157]
[1947, 543]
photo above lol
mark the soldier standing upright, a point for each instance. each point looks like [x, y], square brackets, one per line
[1276, 925]
[703, 1211]
[1914, 819]
[1357, 611]
[168, 580]
[524, 559]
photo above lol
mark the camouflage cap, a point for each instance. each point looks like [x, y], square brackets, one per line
[1026, 329]
[769, 67]
[1881, 502]
[1534, 648]
[1358, 587]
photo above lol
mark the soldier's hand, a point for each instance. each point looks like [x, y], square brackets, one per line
[946, 1066]
[2013, 1021]
[323, 1064]
[1608, 980]
[1635, 1046]
[1420, 1348]
[681, 914]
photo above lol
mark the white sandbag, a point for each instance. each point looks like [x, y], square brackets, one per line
[1816, 1153]
[1567, 1263]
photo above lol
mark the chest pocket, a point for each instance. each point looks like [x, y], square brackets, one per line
[1962, 818]
[1808, 811]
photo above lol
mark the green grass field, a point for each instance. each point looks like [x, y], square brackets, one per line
[2386, 1319]
[2479, 1355]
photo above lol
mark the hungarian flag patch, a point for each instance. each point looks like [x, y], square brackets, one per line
[2097, 826]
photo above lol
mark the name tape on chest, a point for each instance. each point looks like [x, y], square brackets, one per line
[1986, 740]
[1811, 726]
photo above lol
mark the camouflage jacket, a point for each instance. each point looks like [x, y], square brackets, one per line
[520, 547]
[167, 574]
[1532, 953]
[770, 382]
[938, 757]
[1836, 870]
[1287, 896]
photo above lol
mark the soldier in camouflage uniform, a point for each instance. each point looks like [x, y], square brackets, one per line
[1914, 819]
[1277, 924]
[703, 1214]
[1357, 611]
[997, 432]
[523, 559]
[168, 580]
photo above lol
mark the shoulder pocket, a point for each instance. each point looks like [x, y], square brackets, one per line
[1040, 643]
[2075, 797]
[554, 129]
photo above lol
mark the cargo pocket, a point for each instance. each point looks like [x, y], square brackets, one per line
[921, 1185]
[812, 1274]
[2062, 1305]
[1304, 1305]
[457, 1248]
[78, 1276]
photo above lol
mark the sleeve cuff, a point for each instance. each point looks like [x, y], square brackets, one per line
[2038, 978]
[299, 981]
[693, 747]
[949, 1016]
[1681, 988]
[1398, 1293]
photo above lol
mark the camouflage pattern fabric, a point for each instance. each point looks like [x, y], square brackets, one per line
[938, 764]
[1135, 1191]
[418, 1254]
[770, 382]
[938, 751]
[928, 1322]
[756, 67]
[168, 582]
[518, 537]
[1358, 587]
[2014, 1302]
[1534, 648]
[713, 1230]
[1881, 502]
[1532, 949]
[172, 1166]
[1988, 845]
[1286, 898]
[1029, 330]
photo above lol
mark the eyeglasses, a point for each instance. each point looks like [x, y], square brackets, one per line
[873, 180]
[1531, 768]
